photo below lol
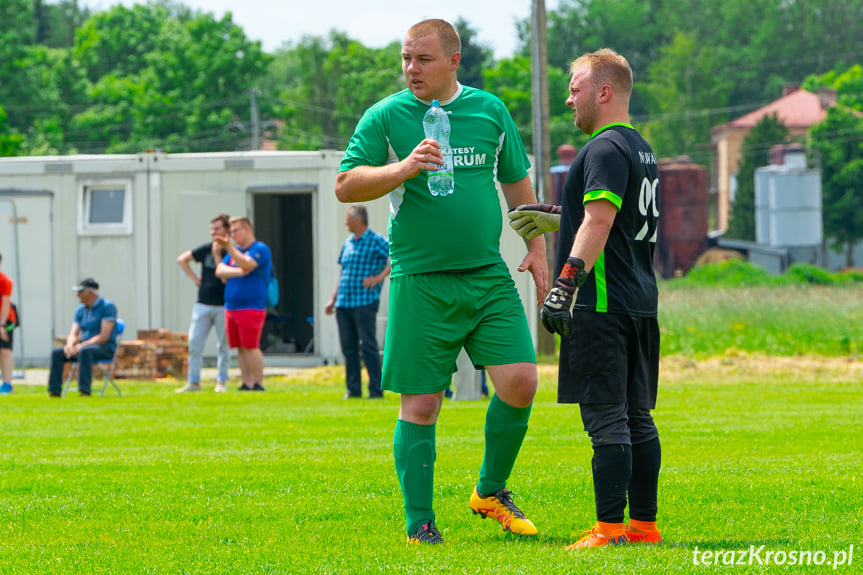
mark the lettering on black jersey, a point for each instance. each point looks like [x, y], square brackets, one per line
[647, 158]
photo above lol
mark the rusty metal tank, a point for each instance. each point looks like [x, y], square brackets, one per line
[684, 197]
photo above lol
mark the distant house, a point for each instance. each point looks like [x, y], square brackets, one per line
[798, 110]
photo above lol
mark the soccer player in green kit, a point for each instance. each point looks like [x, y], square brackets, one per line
[450, 287]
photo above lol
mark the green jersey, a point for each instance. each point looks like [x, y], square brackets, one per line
[443, 233]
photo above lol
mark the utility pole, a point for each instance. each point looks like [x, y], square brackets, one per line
[256, 119]
[542, 141]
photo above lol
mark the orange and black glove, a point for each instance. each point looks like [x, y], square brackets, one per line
[556, 313]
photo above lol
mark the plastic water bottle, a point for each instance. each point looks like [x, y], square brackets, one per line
[436, 127]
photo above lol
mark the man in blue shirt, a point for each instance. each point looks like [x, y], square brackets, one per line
[246, 269]
[93, 337]
[365, 265]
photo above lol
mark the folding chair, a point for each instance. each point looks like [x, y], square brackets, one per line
[106, 366]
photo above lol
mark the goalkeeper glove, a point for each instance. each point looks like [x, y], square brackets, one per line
[556, 313]
[531, 220]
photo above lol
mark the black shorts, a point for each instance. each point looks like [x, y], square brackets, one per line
[7, 344]
[610, 358]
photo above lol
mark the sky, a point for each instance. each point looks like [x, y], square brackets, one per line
[374, 23]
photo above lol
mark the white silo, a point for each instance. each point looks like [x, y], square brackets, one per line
[788, 202]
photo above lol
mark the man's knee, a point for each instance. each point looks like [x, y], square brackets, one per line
[196, 345]
[606, 423]
[422, 409]
[515, 383]
[641, 426]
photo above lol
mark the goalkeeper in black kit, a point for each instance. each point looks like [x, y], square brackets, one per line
[604, 300]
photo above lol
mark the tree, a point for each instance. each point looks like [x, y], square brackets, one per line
[510, 80]
[56, 24]
[839, 142]
[681, 91]
[325, 84]
[182, 85]
[9, 143]
[839, 139]
[17, 83]
[767, 133]
[475, 57]
[579, 26]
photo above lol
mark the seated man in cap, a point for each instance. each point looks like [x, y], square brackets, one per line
[93, 337]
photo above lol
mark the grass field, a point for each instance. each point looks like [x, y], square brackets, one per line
[791, 320]
[756, 451]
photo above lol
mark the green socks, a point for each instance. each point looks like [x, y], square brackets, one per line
[505, 427]
[414, 450]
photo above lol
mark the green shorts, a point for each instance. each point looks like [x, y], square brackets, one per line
[433, 315]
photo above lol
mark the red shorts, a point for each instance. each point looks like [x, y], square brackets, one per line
[244, 327]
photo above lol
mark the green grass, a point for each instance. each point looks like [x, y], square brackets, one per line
[295, 480]
[790, 320]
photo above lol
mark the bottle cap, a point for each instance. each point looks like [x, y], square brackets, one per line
[435, 102]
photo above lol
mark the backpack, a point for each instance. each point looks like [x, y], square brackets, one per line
[272, 292]
[17, 315]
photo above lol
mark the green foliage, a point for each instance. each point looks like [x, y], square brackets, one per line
[740, 273]
[295, 480]
[839, 140]
[510, 80]
[324, 86]
[810, 274]
[848, 84]
[731, 273]
[736, 66]
[682, 87]
[767, 133]
[9, 143]
[57, 22]
[475, 57]
[133, 76]
[179, 82]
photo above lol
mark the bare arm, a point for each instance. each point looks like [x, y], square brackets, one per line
[365, 183]
[243, 264]
[71, 347]
[5, 306]
[371, 281]
[185, 259]
[246, 262]
[105, 330]
[517, 193]
[241, 260]
[331, 304]
[226, 272]
[593, 232]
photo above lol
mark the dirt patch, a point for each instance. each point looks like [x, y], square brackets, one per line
[736, 366]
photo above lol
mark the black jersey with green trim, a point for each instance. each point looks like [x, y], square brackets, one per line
[617, 165]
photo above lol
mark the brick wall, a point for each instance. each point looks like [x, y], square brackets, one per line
[155, 353]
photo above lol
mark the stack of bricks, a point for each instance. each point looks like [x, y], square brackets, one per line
[155, 354]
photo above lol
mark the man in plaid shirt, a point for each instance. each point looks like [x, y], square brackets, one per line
[356, 297]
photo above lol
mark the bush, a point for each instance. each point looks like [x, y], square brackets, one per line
[807, 273]
[731, 273]
[740, 273]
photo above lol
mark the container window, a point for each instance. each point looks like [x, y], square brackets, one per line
[105, 208]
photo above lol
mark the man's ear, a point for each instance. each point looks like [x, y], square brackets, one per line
[605, 93]
[454, 61]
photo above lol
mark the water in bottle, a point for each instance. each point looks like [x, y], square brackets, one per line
[436, 126]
